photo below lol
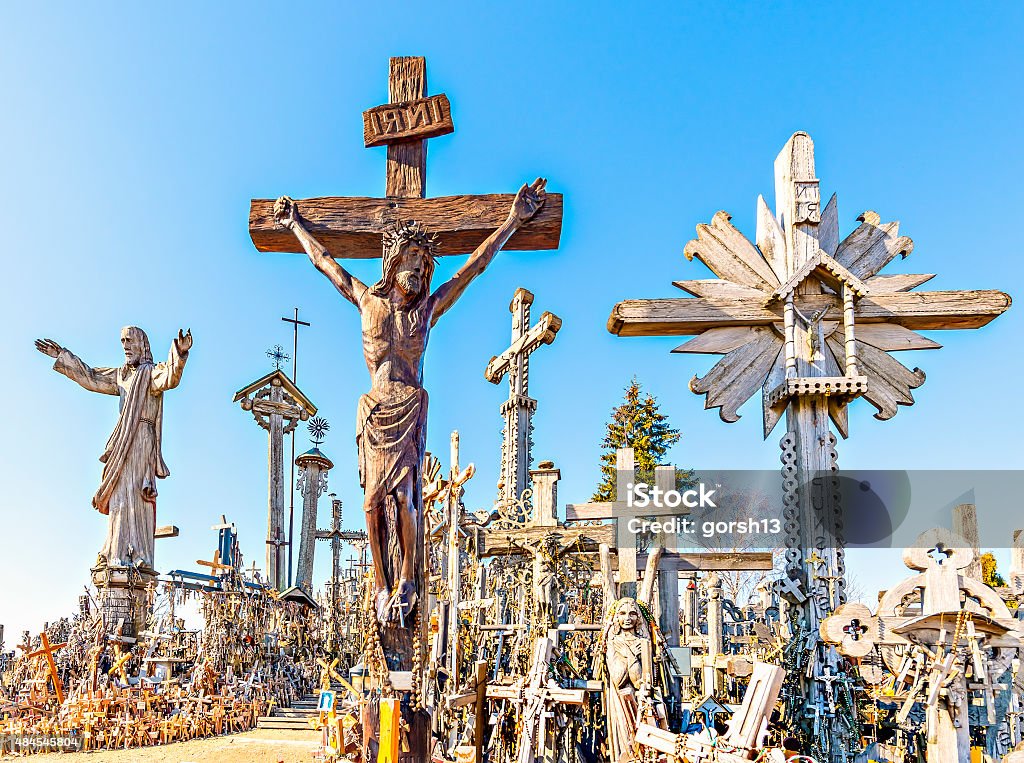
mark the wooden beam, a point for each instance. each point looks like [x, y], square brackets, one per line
[353, 227]
[407, 162]
[728, 561]
[168, 531]
[926, 310]
[496, 542]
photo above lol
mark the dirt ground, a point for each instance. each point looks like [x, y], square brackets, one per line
[257, 746]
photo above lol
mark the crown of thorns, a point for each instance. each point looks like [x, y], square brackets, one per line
[413, 233]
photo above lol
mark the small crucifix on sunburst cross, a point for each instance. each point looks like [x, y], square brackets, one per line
[805, 317]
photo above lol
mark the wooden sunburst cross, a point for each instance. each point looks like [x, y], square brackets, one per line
[808, 319]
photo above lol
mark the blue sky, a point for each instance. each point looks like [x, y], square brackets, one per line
[134, 137]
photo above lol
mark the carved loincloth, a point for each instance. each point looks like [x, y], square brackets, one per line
[391, 438]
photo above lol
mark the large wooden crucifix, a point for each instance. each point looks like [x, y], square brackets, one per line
[519, 408]
[805, 317]
[397, 313]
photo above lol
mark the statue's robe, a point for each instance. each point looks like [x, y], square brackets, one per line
[133, 458]
[391, 440]
[625, 658]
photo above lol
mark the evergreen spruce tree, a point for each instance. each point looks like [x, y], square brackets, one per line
[640, 424]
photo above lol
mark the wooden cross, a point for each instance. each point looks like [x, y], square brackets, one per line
[46, 650]
[617, 534]
[752, 315]
[747, 727]
[519, 408]
[354, 226]
[216, 566]
[278, 406]
[535, 694]
[806, 317]
[337, 536]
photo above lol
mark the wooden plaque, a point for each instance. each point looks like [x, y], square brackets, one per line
[407, 121]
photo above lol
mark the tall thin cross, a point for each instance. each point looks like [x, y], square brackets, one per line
[518, 409]
[336, 536]
[295, 342]
[806, 317]
[291, 492]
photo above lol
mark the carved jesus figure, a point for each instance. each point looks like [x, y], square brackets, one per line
[133, 459]
[397, 314]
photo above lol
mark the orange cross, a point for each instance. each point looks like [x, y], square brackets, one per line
[48, 650]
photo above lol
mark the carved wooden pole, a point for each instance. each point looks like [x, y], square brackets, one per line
[518, 409]
[313, 467]
[715, 641]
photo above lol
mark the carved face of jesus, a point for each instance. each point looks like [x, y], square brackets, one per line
[627, 617]
[133, 349]
[410, 278]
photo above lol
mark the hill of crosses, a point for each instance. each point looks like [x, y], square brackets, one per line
[532, 630]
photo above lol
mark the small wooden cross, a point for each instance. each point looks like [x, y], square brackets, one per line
[535, 695]
[215, 565]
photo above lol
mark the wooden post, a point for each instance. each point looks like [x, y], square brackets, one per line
[314, 466]
[278, 406]
[390, 730]
[480, 709]
[544, 480]
[276, 571]
[965, 524]
[668, 572]
[625, 474]
[454, 561]
[714, 641]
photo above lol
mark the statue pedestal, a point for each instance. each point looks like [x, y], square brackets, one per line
[124, 595]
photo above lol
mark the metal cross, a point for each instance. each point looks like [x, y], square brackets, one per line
[291, 493]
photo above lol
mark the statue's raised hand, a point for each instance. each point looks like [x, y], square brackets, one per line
[285, 212]
[183, 342]
[529, 199]
[48, 347]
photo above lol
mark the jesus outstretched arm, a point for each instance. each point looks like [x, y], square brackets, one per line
[526, 204]
[350, 287]
[102, 380]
